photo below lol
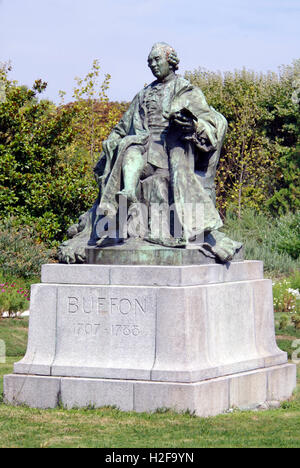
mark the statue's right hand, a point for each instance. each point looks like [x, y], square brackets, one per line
[186, 123]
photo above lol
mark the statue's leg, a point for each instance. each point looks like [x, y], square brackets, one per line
[134, 162]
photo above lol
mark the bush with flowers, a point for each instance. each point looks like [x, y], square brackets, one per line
[14, 299]
[286, 295]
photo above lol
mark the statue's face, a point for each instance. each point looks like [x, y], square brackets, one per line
[158, 63]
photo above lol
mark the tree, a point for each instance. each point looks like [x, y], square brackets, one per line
[34, 184]
[94, 115]
[262, 130]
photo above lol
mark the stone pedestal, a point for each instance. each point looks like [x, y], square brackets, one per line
[198, 338]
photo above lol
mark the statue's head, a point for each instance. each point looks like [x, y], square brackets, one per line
[162, 60]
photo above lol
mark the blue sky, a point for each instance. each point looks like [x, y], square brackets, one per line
[57, 40]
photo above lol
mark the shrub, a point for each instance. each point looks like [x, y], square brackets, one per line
[287, 235]
[286, 196]
[20, 254]
[294, 280]
[274, 241]
[296, 321]
[284, 320]
[13, 299]
[286, 299]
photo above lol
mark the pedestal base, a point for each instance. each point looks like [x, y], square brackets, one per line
[246, 390]
[198, 338]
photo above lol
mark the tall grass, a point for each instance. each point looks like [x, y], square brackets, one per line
[275, 241]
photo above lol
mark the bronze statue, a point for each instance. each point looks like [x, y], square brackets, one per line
[164, 152]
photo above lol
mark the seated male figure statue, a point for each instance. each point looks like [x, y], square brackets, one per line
[164, 150]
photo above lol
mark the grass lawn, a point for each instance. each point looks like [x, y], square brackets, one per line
[14, 332]
[110, 428]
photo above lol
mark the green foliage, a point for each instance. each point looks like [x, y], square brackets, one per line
[14, 293]
[294, 280]
[286, 299]
[274, 241]
[12, 299]
[296, 321]
[286, 294]
[45, 181]
[20, 254]
[286, 184]
[32, 133]
[287, 239]
[93, 115]
[258, 167]
[286, 346]
[284, 320]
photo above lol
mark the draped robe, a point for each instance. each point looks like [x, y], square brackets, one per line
[190, 173]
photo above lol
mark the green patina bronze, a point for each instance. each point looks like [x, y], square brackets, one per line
[163, 152]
